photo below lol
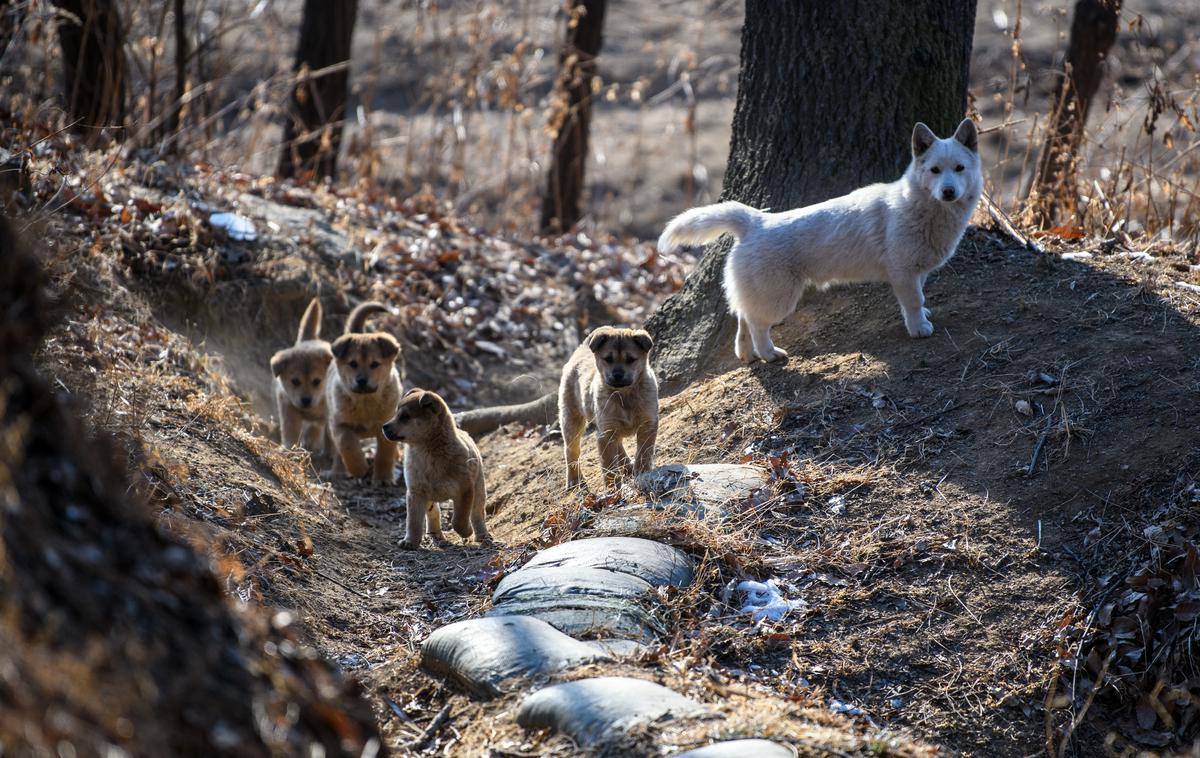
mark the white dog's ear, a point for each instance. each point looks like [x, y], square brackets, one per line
[968, 135]
[922, 139]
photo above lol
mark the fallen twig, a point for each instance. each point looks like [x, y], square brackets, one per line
[438, 722]
[341, 584]
[1006, 224]
[1037, 449]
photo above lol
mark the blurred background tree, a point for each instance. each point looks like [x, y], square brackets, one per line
[312, 133]
[92, 39]
[1093, 31]
[571, 114]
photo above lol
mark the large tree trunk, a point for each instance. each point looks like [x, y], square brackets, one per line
[827, 97]
[92, 39]
[312, 134]
[1093, 31]
[577, 68]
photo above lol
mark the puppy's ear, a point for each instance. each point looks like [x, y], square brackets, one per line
[427, 401]
[597, 339]
[968, 135]
[279, 362]
[922, 139]
[643, 340]
[340, 347]
[388, 346]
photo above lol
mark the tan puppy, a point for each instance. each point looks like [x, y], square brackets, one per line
[362, 389]
[441, 462]
[299, 378]
[609, 381]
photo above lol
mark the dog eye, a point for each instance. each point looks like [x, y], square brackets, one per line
[608, 359]
[935, 170]
[629, 360]
[353, 364]
[959, 168]
[295, 382]
[316, 382]
[402, 418]
[374, 364]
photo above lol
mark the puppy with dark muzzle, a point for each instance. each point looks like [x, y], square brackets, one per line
[299, 384]
[608, 380]
[441, 462]
[362, 389]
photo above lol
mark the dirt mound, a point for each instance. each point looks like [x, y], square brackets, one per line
[115, 633]
[955, 511]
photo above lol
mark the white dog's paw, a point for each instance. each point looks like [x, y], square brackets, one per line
[926, 313]
[775, 354]
[743, 354]
[920, 329]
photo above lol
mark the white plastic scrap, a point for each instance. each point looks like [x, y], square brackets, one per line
[837, 706]
[765, 601]
[237, 226]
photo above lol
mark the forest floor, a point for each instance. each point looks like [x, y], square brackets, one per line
[956, 512]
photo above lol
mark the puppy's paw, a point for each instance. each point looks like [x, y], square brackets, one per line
[776, 354]
[743, 353]
[410, 544]
[483, 539]
[440, 540]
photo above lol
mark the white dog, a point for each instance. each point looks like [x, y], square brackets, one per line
[896, 233]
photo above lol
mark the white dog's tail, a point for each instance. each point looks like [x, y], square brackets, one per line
[702, 225]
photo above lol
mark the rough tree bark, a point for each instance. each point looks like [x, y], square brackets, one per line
[827, 97]
[92, 39]
[1093, 32]
[577, 67]
[312, 133]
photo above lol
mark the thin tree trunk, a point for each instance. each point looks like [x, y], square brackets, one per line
[568, 159]
[92, 40]
[313, 132]
[1093, 32]
[827, 97]
[171, 128]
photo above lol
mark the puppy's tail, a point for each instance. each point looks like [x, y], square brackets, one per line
[358, 317]
[481, 421]
[702, 225]
[310, 324]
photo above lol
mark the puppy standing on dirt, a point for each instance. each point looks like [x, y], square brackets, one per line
[897, 233]
[441, 462]
[299, 374]
[362, 389]
[608, 380]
